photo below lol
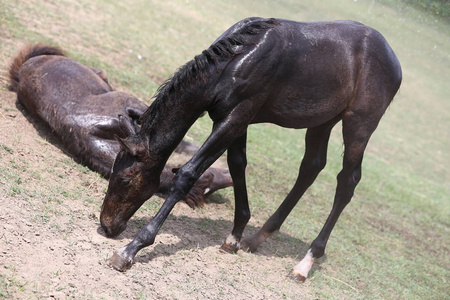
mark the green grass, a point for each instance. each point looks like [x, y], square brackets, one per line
[392, 240]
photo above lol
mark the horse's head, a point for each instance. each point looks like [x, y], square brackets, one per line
[134, 179]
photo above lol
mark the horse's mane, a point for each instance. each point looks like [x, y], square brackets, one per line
[25, 54]
[198, 69]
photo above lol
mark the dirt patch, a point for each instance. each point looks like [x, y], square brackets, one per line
[51, 244]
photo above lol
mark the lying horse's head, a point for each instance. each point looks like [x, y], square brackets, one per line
[134, 179]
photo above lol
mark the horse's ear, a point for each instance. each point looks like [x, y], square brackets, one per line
[138, 129]
[126, 126]
[134, 147]
[124, 145]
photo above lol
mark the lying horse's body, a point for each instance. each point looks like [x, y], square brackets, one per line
[81, 107]
[294, 74]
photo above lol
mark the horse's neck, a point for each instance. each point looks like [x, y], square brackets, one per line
[179, 103]
[171, 123]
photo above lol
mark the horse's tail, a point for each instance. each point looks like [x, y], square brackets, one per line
[212, 180]
[25, 54]
[197, 194]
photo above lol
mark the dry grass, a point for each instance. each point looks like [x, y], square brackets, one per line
[382, 245]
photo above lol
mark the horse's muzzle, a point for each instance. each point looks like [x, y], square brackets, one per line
[113, 230]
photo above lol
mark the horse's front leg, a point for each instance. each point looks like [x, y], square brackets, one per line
[122, 259]
[223, 135]
[237, 162]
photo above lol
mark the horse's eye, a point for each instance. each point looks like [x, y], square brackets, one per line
[126, 181]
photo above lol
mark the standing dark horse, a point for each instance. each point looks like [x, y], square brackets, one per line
[293, 74]
[80, 107]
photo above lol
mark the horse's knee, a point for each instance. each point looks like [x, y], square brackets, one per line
[244, 214]
[319, 163]
[357, 174]
[313, 165]
[184, 180]
[350, 178]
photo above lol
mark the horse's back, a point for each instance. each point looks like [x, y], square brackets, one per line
[343, 52]
[78, 104]
[337, 44]
[42, 77]
[306, 73]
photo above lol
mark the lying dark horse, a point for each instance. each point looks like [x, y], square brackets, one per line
[293, 74]
[80, 106]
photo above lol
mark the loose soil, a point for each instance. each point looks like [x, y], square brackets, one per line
[52, 246]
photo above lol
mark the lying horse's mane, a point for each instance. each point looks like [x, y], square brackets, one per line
[197, 69]
[25, 54]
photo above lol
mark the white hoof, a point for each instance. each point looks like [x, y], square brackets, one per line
[301, 270]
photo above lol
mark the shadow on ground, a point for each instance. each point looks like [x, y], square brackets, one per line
[201, 233]
[189, 232]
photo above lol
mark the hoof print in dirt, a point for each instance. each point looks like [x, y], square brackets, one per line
[119, 263]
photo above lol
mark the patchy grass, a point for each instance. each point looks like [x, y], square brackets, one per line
[391, 241]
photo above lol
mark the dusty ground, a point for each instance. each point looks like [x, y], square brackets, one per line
[51, 244]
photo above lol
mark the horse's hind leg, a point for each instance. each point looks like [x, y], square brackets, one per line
[314, 160]
[357, 129]
[102, 74]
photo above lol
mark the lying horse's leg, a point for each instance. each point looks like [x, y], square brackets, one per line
[356, 135]
[237, 162]
[314, 160]
[103, 76]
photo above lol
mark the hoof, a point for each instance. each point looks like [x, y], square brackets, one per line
[119, 263]
[247, 246]
[297, 276]
[229, 248]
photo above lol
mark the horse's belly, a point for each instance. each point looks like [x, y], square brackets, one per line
[293, 120]
[300, 113]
